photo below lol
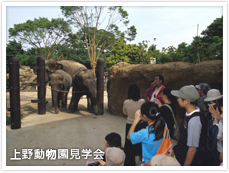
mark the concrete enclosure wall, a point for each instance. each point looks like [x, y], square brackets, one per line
[176, 75]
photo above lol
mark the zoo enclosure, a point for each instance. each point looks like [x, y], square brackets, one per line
[14, 89]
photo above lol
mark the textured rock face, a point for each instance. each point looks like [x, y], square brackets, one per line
[26, 75]
[176, 75]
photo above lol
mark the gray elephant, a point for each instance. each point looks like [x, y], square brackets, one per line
[83, 82]
[60, 83]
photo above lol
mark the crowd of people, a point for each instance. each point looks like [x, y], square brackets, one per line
[147, 119]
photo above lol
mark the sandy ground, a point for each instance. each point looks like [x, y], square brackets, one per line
[69, 131]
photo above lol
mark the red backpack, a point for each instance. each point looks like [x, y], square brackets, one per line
[166, 147]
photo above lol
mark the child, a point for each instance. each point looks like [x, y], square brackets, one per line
[190, 135]
[151, 136]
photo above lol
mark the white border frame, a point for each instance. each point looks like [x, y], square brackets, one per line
[3, 86]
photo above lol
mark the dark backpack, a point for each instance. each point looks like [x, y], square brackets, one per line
[208, 139]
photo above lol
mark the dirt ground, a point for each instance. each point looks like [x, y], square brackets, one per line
[71, 131]
[64, 132]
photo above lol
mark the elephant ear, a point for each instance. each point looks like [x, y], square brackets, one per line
[50, 66]
[59, 66]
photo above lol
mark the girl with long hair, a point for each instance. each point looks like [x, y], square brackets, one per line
[151, 136]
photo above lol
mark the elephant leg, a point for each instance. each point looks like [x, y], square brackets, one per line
[74, 102]
[52, 101]
[89, 106]
[59, 99]
[64, 101]
[93, 97]
[55, 101]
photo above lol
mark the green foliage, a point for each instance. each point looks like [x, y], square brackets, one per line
[41, 33]
[13, 49]
[8, 121]
[118, 53]
[88, 20]
[29, 57]
[207, 47]
[137, 53]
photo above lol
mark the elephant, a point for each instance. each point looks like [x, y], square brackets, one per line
[84, 78]
[82, 81]
[59, 80]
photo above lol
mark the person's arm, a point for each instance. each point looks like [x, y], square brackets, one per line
[124, 108]
[148, 99]
[102, 163]
[190, 155]
[136, 120]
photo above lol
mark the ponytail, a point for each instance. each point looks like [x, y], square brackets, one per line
[150, 109]
[158, 127]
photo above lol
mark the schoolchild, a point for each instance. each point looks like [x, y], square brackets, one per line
[151, 136]
[190, 135]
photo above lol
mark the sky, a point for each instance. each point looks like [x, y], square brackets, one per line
[170, 25]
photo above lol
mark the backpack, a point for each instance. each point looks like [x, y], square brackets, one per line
[208, 143]
[166, 147]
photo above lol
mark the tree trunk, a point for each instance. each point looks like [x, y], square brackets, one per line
[93, 68]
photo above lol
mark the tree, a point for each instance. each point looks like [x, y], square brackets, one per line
[214, 29]
[41, 33]
[13, 48]
[137, 53]
[89, 19]
[118, 53]
[29, 57]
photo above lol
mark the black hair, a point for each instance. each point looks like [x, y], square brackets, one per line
[134, 92]
[113, 139]
[150, 109]
[192, 103]
[161, 78]
[151, 82]
[167, 91]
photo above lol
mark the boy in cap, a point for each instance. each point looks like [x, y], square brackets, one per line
[191, 131]
[114, 157]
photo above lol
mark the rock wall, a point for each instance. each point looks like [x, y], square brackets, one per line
[26, 75]
[176, 75]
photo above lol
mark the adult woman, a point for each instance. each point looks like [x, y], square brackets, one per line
[130, 106]
[167, 109]
[151, 136]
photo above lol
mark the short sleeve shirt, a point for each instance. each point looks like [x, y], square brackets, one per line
[149, 92]
[194, 130]
[130, 107]
[149, 146]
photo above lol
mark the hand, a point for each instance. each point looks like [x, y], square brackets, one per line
[221, 157]
[137, 115]
[87, 163]
[102, 163]
[158, 103]
[214, 113]
[221, 115]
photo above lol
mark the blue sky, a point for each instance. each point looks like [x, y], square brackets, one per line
[170, 25]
